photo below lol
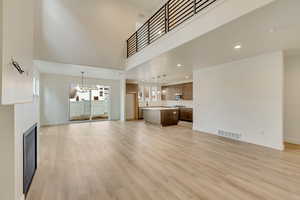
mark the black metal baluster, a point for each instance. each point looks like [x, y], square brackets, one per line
[148, 31]
[127, 49]
[136, 42]
[167, 17]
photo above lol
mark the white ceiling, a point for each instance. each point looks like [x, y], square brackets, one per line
[92, 32]
[148, 5]
[272, 28]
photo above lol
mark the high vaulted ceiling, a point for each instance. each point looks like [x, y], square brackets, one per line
[87, 32]
[148, 5]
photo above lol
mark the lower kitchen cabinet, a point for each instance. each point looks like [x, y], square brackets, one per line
[186, 114]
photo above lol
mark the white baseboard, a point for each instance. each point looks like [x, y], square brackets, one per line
[75, 122]
[279, 147]
[21, 197]
[292, 140]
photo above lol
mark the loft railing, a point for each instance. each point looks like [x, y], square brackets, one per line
[168, 17]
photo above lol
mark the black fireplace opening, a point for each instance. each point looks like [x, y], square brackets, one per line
[29, 157]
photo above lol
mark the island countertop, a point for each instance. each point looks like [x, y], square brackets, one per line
[163, 116]
[159, 108]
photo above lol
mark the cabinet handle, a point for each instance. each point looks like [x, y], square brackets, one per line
[17, 66]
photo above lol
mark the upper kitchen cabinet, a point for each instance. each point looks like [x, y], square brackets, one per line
[187, 91]
[169, 92]
[174, 92]
[16, 43]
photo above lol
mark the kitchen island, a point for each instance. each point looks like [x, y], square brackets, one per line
[163, 116]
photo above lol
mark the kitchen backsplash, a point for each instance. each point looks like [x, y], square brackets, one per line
[151, 103]
[185, 103]
[188, 104]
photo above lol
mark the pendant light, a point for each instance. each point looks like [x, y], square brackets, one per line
[84, 88]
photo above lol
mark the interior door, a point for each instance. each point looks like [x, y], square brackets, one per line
[130, 106]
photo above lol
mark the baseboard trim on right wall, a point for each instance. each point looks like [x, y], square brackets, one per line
[292, 140]
[279, 147]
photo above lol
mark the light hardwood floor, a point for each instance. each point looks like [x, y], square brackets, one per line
[135, 161]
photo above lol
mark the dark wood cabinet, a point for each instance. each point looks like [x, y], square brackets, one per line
[132, 88]
[186, 114]
[169, 117]
[187, 91]
[170, 92]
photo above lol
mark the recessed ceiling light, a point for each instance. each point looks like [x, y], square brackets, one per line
[179, 65]
[272, 30]
[238, 46]
[187, 77]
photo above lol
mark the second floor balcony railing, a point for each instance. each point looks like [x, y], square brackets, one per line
[167, 18]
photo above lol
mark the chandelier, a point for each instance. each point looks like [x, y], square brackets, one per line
[83, 88]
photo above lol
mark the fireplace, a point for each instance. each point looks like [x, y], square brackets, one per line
[29, 157]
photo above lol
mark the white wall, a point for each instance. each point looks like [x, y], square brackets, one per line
[17, 42]
[243, 97]
[54, 97]
[47, 67]
[7, 181]
[292, 99]
[1, 47]
[123, 98]
[92, 33]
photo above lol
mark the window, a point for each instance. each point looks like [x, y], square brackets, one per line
[36, 87]
[147, 93]
[141, 95]
[89, 104]
[154, 94]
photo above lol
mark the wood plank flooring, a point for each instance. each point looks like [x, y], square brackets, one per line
[138, 161]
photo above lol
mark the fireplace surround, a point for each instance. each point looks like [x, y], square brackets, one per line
[29, 157]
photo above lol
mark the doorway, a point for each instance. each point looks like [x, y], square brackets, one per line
[89, 104]
[130, 106]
